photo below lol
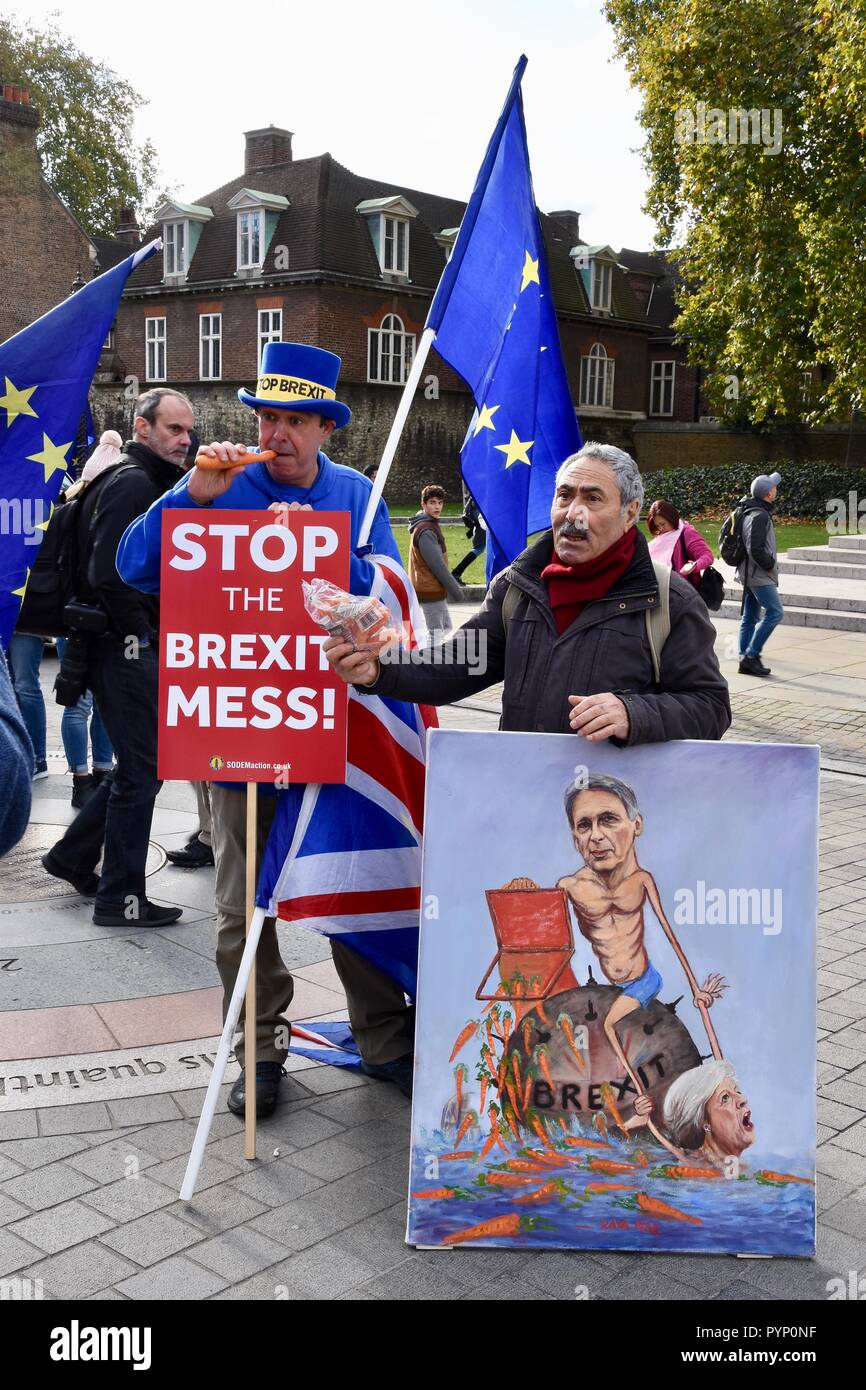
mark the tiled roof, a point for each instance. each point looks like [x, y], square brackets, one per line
[323, 232]
[663, 309]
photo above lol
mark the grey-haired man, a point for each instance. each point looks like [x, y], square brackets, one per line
[759, 575]
[564, 627]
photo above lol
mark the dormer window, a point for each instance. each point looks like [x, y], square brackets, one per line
[594, 265]
[388, 220]
[257, 218]
[446, 239]
[181, 229]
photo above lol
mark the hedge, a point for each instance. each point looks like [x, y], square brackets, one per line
[805, 491]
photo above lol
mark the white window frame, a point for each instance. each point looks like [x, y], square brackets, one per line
[273, 333]
[259, 215]
[210, 341]
[661, 383]
[153, 341]
[602, 284]
[390, 352]
[389, 243]
[596, 378]
[175, 264]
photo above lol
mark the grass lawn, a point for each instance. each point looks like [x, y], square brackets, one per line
[787, 534]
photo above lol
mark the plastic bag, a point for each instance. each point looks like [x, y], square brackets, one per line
[362, 620]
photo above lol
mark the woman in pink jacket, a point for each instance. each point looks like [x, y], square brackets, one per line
[677, 543]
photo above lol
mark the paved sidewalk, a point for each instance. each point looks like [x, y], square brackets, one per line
[88, 1190]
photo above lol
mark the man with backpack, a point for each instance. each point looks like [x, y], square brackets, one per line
[114, 632]
[749, 538]
[586, 633]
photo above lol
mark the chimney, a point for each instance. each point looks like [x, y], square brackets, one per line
[128, 230]
[15, 108]
[265, 147]
[570, 221]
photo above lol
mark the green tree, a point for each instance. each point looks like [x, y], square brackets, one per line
[772, 240]
[87, 111]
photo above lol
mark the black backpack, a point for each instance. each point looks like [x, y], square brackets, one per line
[54, 577]
[731, 547]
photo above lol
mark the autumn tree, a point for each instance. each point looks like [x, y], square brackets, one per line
[766, 207]
[87, 112]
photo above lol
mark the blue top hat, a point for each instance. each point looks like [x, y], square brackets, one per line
[295, 376]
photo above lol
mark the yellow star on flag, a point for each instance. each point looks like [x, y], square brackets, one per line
[530, 273]
[43, 525]
[19, 593]
[51, 456]
[515, 451]
[485, 418]
[16, 402]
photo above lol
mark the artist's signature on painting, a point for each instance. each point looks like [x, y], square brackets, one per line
[612, 1223]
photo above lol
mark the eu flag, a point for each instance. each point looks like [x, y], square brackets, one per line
[45, 375]
[495, 324]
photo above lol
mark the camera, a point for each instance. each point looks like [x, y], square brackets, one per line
[84, 621]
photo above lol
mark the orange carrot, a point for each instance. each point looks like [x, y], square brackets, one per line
[512, 1123]
[462, 1040]
[554, 1188]
[607, 1097]
[216, 465]
[515, 1067]
[606, 1165]
[549, 1158]
[513, 1097]
[653, 1207]
[465, 1153]
[508, 1225]
[563, 1125]
[608, 1187]
[505, 1180]
[469, 1119]
[538, 1128]
[565, 1023]
[587, 1143]
[492, 1138]
[679, 1171]
[460, 1072]
[527, 1090]
[501, 1075]
[527, 1029]
[517, 983]
[440, 1193]
[489, 1030]
[506, 1027]
[484, 1079]
[524, 1165]
[768, 1175]
[543, 1055]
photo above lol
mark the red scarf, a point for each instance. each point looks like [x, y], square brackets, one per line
[571, 587]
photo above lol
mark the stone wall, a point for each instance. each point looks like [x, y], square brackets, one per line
[666, 445]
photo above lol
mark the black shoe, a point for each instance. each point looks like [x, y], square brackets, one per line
[195, 855]
[99, 774]
[268, 1077]
[149, 915]
[83, 787]
[85, 884]
[753, 666]
[400, 1073]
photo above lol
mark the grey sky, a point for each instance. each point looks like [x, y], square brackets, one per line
[394, 91]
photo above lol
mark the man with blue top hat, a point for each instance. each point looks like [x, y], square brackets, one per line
[295, 400]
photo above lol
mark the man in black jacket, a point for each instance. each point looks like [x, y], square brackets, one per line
[565, 628]
[123, 672]
[759, 575]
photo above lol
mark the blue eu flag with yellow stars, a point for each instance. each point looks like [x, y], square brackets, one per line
[45, 375]
[495, 324]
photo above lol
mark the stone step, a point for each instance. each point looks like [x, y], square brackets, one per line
[830, 602]
[806, 617]
[848, 542]
[841, 555]
[821, 569]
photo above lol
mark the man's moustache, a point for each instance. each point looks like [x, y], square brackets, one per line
[568, 531]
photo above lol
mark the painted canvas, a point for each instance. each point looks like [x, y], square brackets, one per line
[616, 1026]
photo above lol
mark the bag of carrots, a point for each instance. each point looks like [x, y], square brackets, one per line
[362, 620]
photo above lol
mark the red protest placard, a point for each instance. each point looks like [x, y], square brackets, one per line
[245, 693]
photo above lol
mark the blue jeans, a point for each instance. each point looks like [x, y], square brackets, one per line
[753, 634]
[73, 731]
[25, 655]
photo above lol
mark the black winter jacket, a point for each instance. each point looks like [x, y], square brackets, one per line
[605, 649]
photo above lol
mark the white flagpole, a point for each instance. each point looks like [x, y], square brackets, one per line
[427, 338]
[311, 794]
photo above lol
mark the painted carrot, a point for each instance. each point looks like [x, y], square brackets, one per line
[469, 1119]
[496, 1022]
[587, 1144]
[595, 1187]
[509, 1225]
[549, 1158]
[512, 1123]
[505, 1180]
[501, 993]
[464, 1153]
[491, 1045]
[673, 1170]
[538, 1128]
[490, 1141]
[607, 1165]
[599, 1123]
[653, 1207]
[517, 986]
[565, 1023]
[515, 1070]
[513, 1096]
[554, 1188]
[539, 1009]
[563, 1125]
[767, 1175]
[461, 1072]
[527, 1032]
[437, 1193]
[527, 1089]
[501, 1075]
[507, 1021]
[484, 1081]
[524, 1165]
[607, 1097]
[543, 1056]
[462, 1039]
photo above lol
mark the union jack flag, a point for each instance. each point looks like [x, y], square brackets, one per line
[346, 860]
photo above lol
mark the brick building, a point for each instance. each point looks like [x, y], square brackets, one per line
[43, 249]
[307, 250]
